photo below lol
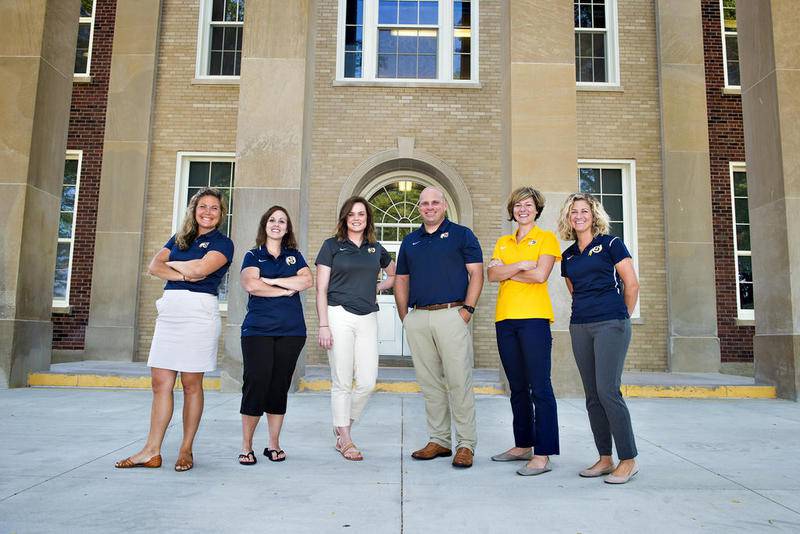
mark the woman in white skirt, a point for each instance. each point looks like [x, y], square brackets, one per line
[193, 263]
[347, 274]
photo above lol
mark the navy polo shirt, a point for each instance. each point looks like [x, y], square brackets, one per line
[596, 286]
[437, 262]
[203, 244]
[274, 316]
[354, 273]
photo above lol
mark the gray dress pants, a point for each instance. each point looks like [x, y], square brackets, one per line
[600, 350]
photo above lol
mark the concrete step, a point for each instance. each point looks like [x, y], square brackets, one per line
[136, 375]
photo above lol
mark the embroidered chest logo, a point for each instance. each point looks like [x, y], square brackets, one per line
[596, 250]
[371, 250]
[205, 244]
[291, 260]
[531, 242]
[444, 235]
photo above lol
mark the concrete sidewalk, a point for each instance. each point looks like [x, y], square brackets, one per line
[706, 466]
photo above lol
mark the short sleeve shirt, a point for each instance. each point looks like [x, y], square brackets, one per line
[202, 245]
[597, 293]
[274, 316]
[436, 263]
[354, 273]
[524, 300]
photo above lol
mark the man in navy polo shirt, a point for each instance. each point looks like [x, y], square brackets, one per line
[440, 277]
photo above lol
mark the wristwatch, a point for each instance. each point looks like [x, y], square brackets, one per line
[470, 309]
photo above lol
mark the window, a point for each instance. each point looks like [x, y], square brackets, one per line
[83, 51]
[219, 38]
[66, 228]
[197, 170]
[730, 45]
[596, 57]
[613, 182]
[741, 242]
[408, 40]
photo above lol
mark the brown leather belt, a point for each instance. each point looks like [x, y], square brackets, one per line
[444, 306]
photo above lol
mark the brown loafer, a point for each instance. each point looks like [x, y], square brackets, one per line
[430, 451]
[127, 463]
[463, 457]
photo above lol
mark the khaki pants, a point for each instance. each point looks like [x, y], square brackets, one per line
[441, 349]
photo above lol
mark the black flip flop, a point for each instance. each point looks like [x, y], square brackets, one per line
[268, 453]
[247, 456]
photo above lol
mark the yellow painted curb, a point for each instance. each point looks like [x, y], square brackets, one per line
[388, 387]
[104, 381]
[700, 392]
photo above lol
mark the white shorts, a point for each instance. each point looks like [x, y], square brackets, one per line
[187, 332]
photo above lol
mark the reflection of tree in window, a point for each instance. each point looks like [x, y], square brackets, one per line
[741, 221]
[731, 42]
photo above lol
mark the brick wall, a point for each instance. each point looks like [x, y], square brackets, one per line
[625, 124]
[87, 122]
[726, 144]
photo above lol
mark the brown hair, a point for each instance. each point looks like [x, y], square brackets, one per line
[288, 240]
[600, 220]
[341, 224]
[188, 231]
[520, 194]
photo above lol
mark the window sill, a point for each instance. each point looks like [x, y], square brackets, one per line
[603, 88]
[410, 83]
[216, 80]
[732, 90]
[745, 322]
[81, 78]
[61, 309]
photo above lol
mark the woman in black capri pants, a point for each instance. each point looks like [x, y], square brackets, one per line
[273, 331]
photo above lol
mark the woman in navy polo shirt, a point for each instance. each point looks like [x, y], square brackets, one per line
[347, 272]
[193, 262]
[600, 275]
[273, 331]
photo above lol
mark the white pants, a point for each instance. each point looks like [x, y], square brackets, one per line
[354, 355]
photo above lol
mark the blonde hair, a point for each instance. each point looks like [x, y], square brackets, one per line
[521, 193]
[600, 219]
[188, 231]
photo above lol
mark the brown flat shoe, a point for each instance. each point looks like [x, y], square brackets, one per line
[184, 462]
[351, 452]
[430, 451]
[463, 457]
[127, 463]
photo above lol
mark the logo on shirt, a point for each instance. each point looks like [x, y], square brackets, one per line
[531, 242]
[291, 260]
[342, 249]
[444, 235]
[596, 250]
[416, 243]
[204, 244]
[371, 250]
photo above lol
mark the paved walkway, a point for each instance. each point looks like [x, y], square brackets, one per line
[706, 466]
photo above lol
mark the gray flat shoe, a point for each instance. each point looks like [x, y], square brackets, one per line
[533, 471]
[613, 479]
[508, 457]
[594, 473]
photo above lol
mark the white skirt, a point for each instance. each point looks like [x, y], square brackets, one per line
[187, 332]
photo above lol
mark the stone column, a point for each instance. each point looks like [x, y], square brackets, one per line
[37, 58]
[112, 331]
[769, 48]
[542, 137]
[272, 134]
[693, 342]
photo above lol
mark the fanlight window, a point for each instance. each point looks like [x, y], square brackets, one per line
[394, 208]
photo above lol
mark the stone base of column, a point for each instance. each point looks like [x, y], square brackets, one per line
[564, 373]
[694, 354]
[110, 343]
[25, 349]
[777, 362]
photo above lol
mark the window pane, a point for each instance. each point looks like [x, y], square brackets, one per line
[355, 12]
[461, 67]
[587, 70]
[585, 16]
[352, 64]
[60, 284]
[353, 38]
[618, 229]
[68, 198]
[218, 10]
[729, 13]
[612, 181]
[199, 173]
[427, 45]
[387, 66]
[613, 206]
[742, 215]
[732, 47]
[70, 172]
[407, 44]
[387, 12]
[743, 236]
[746, 296]
[733, 74]
[192, 191]
[408, 12]
[740, 184]
[82, 48]
[599, 70]
[237, 67]
[427, 67]
[461, 14]
[407, 66]
[590, 180]
[65, 226]
[228, 63]
[745, 269]
[429, 13]
[387, 43]
[599, 19]
[215, 68]
[585, 49]
[220, 174]
[599, 45]
[86, 8]
[229, 40]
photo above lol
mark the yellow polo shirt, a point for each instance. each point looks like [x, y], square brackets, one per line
[522, 300]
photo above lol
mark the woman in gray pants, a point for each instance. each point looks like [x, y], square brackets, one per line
[600, 276]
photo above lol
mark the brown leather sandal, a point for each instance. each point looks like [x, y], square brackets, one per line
[357, 457]
[127, 463]
[184, 462]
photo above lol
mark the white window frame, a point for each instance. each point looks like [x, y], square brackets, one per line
[744, 315]
[725, 51]
[629, 212]
[87, 20]
[181, 195]
[612, 49]
[70, 155]
[203, 61]
[444, 54]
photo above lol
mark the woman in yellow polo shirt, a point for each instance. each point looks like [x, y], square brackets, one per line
[522, 263]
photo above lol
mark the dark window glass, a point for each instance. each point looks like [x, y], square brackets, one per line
[585, 16]
[613, 206]
[387, 66]
[742, 215]
[355, 12]
[387, 43]
[599, 19]
[745, 269]
[740, 184]
[617, 229]
[199, 174]
[352, 64]
[68, 198]
[65, 225]
[353, 38]
[587, 70]
[599, 49]
[220, 174]
[734, 78]
[743, 236]
[86, 8]
[612, 181]
[462, 14]
[82, 48]
[599, 70]
[70, 172]
[590, 180]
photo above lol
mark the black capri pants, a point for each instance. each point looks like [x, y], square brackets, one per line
[269, 363]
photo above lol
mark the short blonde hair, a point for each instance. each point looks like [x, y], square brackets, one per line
[600, 219]
[521, 193]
